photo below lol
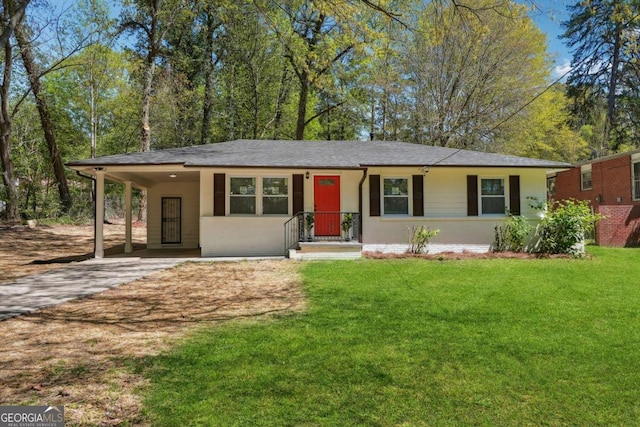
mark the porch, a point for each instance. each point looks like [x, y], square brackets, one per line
[323, 235]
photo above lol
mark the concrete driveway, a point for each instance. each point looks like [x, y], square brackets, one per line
[78, 280]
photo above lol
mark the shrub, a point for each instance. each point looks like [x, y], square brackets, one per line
[419, 238]
[512, 236]
[564, 225]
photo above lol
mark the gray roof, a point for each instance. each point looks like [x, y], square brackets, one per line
[317, 154]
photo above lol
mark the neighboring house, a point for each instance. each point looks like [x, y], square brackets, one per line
[240, 198]
[612, 185]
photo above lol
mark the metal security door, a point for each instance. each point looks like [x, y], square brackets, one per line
[171, 220]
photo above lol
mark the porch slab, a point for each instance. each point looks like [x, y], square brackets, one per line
[315, 256]
[308, 247]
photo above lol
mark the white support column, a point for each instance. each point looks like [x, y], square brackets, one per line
[128, 247]
[99, 219]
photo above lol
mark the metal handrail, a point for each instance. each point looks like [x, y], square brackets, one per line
[321, 226]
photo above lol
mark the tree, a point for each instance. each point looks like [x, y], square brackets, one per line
[150, 20]
[318, 37]
[33, 74]
[12, 15]
[603, 36]
[470, 71]
[542, 131]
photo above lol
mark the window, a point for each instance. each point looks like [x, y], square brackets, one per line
[396, 196]
[636, 180]
[242, 197]
[586, 180]
[492, 196]
[275, 196]
[551, 186]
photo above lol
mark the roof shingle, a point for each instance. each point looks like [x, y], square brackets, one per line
[317, 154]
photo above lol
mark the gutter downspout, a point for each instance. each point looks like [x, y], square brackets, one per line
[364, 177]
[93, 197]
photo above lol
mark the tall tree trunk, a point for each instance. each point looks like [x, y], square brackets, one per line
[45, 118]
[301, 123]
[611, 96]
[11, 19]
[94, 120]
[207, 102]
[5, 138]
[13, 14]
[145, 134]
[283, 94]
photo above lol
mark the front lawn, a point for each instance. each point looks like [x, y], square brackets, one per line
[413, 342]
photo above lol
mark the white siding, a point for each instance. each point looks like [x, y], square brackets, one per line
[445, 205]
[445, 208]
[189, 192]
[260, 235]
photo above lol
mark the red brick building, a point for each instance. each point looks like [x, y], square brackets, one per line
[612, 185]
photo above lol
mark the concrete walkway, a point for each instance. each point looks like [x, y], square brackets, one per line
[76, 280]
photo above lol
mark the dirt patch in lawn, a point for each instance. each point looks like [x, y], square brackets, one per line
[82, 354]
[25, 251]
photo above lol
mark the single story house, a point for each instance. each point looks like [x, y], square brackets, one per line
[253, 197]
[612, 185]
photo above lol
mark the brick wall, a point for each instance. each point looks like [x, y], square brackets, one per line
[611, 195]
[621, 227]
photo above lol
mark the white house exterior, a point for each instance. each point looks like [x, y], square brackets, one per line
[234, 198]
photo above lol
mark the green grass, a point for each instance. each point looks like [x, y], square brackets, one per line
[413, 342]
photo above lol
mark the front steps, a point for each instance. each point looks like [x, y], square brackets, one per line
[326, 251]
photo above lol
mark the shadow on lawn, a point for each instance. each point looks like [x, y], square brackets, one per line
[113, 250]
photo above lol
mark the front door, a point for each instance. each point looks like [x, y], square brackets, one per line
[171, 220]
[326, 204]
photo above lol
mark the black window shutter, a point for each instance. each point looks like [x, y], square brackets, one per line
[298, 193]
[374, 195]
[472, 195]
[219, 197]
[418, 195]
[514, 194]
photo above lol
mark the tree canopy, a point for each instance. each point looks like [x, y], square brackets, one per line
[77, 81]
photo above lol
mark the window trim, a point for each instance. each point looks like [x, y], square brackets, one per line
[634, 195]
[409, 197]
[551, 191]
[584, 170]
[262, 195]
[505, 196]
[231, 196]
[259, 202]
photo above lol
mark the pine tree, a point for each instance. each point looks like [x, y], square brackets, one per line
[602, 35]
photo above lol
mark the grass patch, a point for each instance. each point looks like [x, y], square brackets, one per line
[414, 342]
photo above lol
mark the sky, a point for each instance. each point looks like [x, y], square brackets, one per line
[549, 16]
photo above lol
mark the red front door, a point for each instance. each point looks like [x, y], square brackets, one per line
[326, 203]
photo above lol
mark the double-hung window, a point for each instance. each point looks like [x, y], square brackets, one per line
[244, 200]
[551, 186]
[636, 180]
[396, 196]
[585, 178]
[492, 196]
[275, 196]
[242, 196]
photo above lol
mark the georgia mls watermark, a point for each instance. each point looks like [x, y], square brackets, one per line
[31, 416]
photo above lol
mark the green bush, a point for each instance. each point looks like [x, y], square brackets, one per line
[512, 236]
[564, 225]
[419, 238]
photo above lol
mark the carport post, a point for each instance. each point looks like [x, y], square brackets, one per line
[127, 215]
[99, 213]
